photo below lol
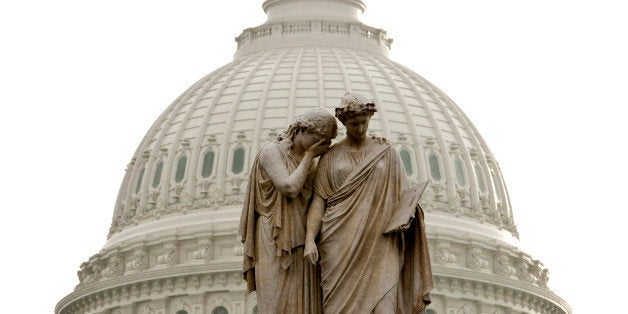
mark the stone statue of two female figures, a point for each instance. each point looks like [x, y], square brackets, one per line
[344, 235]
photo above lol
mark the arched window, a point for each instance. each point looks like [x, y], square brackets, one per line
[139, 181]
[208, 164]
[157, 177]
[460, 177]
[220, 310]
[480, 178]
[181, 312]
[434, 167]
[407, 161]
[180, 174]
[238, 160]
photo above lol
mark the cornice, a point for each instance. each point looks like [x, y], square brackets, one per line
[213, 276]
[495, 281]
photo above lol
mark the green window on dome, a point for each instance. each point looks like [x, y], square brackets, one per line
[480, 177]
[255, 309]
[434, 167]
[208, 164]
[407, 161]
[460, 177]
[139, 181]
[180, 174]
[158, 171]
[220, 310]
[238, 161]
[181, 312]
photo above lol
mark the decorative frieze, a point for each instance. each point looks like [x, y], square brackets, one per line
[114, 267]
[444, 255]
[170, 257]
[476, 260]
[204, 251]
[523, 271]
[138, 261]
[503, 266]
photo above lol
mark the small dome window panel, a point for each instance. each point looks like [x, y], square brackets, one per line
[407, 161]
[238, 161]
[434, 167]
[459, 169]
[480, 178]
[208, 164]
[138, 186]
[181, 164]
[181, 312]
[220, 310]
[157, 177]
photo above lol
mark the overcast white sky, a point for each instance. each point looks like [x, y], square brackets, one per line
[543, 81]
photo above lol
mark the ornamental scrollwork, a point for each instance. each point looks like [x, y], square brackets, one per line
[503, 267]
[170, 256]
[138, 261]
[114, 267]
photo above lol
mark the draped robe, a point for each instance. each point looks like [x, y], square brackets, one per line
[272, 227]
[363, 270]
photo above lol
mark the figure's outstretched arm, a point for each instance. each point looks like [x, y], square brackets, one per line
[289, 184]
[314, 221]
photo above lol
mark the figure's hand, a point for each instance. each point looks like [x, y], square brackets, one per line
[311, 252]
[319, 147]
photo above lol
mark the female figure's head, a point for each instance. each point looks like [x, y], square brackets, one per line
[309, 128]
[355, 112]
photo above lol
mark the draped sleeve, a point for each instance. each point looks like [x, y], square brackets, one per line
[322, 182]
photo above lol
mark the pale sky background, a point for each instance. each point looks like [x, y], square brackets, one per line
[544, 82]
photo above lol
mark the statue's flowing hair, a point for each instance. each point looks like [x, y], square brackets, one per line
[318, 121]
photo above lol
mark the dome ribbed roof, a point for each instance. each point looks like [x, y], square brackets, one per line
[202, 145]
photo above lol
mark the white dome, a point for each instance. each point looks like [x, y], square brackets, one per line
[176, 216]
[235, 110]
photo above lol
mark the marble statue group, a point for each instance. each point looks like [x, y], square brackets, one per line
[334, 228]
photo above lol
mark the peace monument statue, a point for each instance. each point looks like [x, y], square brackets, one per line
[363, 221]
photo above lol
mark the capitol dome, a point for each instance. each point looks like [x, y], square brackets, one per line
[173, 245]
